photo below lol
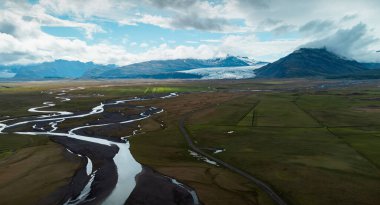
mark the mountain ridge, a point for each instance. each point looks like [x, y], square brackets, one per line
[304, 62]
[310, 62]
[160, 67]
[55, 69]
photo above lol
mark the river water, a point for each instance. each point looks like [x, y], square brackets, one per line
[127, 167]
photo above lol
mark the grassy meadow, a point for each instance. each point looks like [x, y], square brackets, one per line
[313, 145]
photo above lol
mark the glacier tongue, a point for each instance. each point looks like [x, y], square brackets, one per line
[225, 72]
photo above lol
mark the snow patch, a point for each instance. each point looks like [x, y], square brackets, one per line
[197, 156]
[219, 151]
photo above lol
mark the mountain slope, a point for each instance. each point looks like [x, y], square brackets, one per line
[372, 65]
[55, 69]
[166, 67]
[307, 62]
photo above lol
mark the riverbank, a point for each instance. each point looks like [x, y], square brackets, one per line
[109, 171]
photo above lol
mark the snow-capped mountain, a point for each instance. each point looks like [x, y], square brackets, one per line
[249, 61]
[168, 68]
[221, 67]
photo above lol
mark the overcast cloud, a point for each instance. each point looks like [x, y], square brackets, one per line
[352, 43]
[262, 29]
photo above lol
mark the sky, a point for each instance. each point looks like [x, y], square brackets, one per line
[124, 32]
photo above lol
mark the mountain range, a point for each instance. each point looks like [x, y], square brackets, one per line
[311, 62]
[307, 62]
[158, 69]
[168, 68]
[302, 63]
[49, 70]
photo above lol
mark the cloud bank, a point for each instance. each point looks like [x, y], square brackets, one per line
[353, 43]
[265, 30]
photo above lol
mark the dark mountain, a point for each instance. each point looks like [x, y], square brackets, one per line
[308, 62]
[167, 68]
[372, 65]
[55, 69]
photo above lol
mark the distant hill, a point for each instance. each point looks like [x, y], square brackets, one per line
[372, 65]
[157, 69]
[167, 68]
[362, 75]
[305, 62]
[56, 69]
[308, 62]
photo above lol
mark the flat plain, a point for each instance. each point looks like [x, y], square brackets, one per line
[313, 141]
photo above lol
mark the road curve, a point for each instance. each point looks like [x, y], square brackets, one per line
[263, 186]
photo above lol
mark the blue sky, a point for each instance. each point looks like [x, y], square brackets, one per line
[124, 32]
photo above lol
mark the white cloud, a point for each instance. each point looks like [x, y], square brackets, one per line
[154, 20]
[35, 14]
[179, 14]
[89, 9]
[353, 43]
[164, 51]
[321, 22]
[23, 42]
[256, 15]
[249, 45]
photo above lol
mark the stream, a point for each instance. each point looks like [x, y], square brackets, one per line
[127, 167]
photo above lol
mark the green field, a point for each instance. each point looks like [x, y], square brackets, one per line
[10, 143]
[313, 148]
[280, 110]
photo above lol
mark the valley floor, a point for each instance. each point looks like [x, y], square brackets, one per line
[314, 142]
